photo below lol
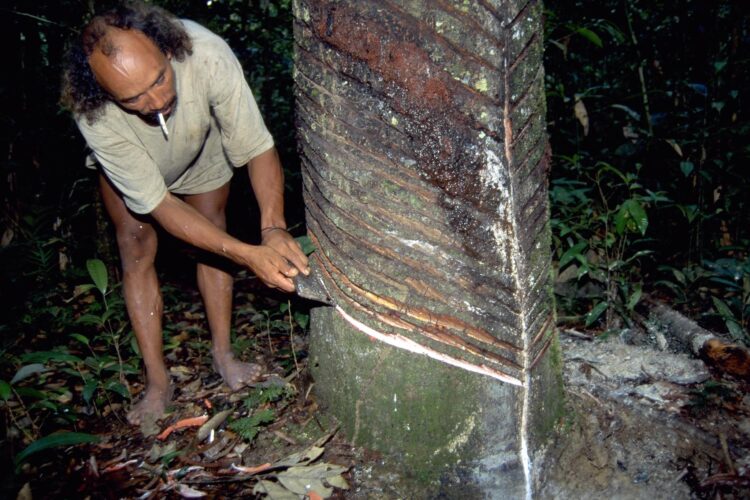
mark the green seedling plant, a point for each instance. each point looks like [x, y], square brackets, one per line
[260, 412]
[599, 230]
[723, 284]
[249, 427]
[731, 295]
[41, 393]
[685, 283]
[106, 373]
[283, 319]
[36, 399]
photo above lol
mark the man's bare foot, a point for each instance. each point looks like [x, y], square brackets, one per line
[236, 374]
[152, 405]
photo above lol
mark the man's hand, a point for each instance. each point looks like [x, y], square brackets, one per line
[271, 267]
[283, 243]
[267, 179]
[275, 261]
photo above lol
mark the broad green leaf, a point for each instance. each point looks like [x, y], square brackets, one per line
[94, 363]
[680, 276]
[722, 308]
[571, 253]
[590, 36]
[611, 28]
[4, 390]
[631, 217]
[131, 367]
[676, 289]
[89, 389]
[98, 272]
[27, 371]
[89, 319]
[594, 314]
[733, 326]
[30, 392]
[54, 441]
[46, 356]
[71, 371]
[605, 167]
[729, 284]
[638, 215]
[583, 270]
[687, 167]
[302, 319]
[621, 220]
[689, 211]
[615, 265]
[736, 331]
[635, 297]
[44, 403]
[80, 338]
[638, 255]
[117, 387]
[134, 346]
[656, 197]
[107, 314]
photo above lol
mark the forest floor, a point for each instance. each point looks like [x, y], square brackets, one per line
[641, 423]
[648, 423]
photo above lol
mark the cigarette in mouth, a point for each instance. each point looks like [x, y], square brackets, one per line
[163, 125]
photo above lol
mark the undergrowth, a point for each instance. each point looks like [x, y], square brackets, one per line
[648, 118]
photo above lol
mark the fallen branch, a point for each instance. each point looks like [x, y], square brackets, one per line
[730, 358]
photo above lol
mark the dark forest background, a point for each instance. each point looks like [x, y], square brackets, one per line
[648, 112]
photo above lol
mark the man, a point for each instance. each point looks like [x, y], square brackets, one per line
[164, 106]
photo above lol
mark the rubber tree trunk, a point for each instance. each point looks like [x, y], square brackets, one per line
[422, 136]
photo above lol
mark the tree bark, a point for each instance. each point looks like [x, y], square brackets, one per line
[425, 157]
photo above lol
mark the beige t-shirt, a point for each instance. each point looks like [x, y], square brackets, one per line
[215, 125]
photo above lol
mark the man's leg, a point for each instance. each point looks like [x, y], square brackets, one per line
[215, 286]
[137, 241]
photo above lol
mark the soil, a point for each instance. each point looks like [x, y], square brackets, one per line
[645, 423]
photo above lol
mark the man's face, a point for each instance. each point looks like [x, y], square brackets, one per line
[137, 76]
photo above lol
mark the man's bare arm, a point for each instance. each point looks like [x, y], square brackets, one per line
[184, 222]
[267, 180]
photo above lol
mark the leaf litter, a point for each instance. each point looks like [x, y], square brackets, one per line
[194, 452]
[635, 432]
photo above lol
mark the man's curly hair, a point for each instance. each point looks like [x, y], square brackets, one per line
[81, 93]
